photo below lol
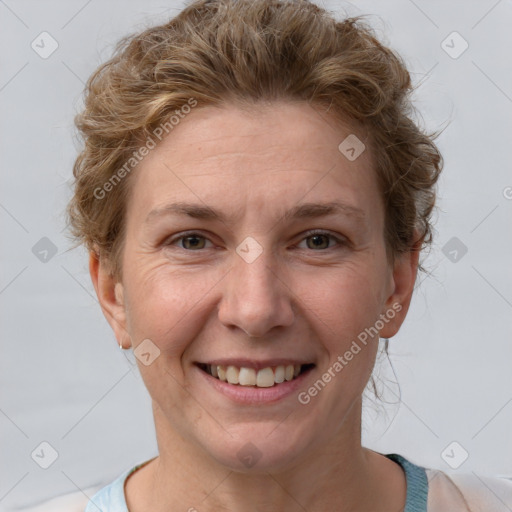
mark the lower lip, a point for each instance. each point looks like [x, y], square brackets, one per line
[253, 395]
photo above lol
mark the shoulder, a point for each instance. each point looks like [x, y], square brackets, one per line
[112, 497]
[468, 492]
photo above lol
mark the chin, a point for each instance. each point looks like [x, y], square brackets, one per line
[260, 453]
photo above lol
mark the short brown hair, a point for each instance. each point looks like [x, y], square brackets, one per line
[246, 51]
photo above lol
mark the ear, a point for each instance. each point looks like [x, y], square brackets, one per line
[405, 269]
[110, 294]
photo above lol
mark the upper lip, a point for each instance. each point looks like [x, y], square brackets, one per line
[256, 364]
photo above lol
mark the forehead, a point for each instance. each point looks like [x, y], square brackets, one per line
[262, 157]
[270, 131]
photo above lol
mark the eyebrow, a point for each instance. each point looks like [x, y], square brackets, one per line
[302, 211]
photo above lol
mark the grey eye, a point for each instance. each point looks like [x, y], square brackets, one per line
[193, 242]
[318, 241]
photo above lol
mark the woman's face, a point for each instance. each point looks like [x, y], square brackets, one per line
[252, 241]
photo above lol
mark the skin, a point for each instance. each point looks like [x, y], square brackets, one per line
[294, 300]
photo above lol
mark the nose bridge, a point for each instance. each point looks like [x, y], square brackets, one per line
[257, 277]
[255, 299]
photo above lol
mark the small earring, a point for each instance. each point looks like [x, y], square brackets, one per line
[121, 346]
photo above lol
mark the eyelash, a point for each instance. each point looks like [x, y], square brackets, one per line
[308, 234]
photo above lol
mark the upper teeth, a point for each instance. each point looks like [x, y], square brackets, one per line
[264, 378]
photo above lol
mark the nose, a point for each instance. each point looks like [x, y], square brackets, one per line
[256, 298]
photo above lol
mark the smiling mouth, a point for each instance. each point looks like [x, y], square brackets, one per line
[263, 378]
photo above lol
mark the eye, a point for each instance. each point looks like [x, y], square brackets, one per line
[320, 240]
[190, 242]
[314, 240]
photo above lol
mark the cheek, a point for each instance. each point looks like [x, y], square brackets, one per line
[343, 301]
[343, 309]
[168, 306]
[171, 309]
[344, 306]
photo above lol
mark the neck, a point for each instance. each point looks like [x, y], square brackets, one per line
[341, 475]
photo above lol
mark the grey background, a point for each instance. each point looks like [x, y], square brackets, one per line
[63, 379]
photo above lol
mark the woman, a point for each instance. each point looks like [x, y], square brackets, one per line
[255, 199]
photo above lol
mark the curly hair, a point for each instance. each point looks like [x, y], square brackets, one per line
[244, 52]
